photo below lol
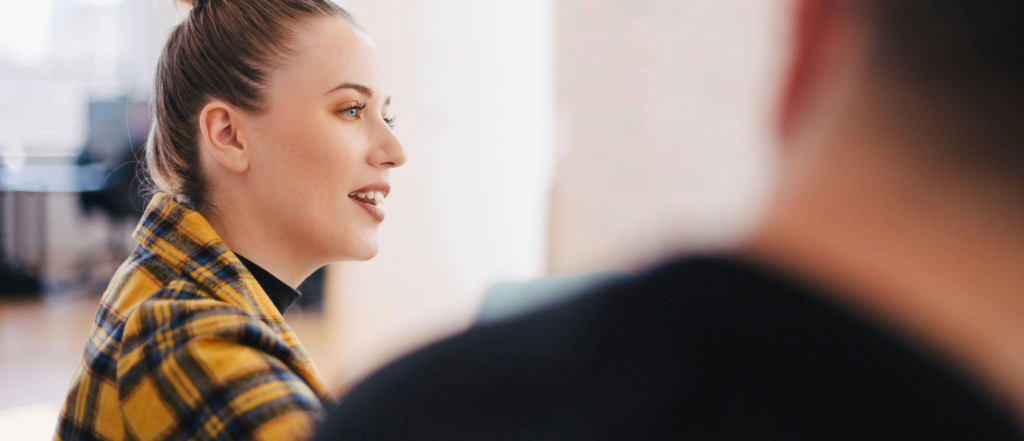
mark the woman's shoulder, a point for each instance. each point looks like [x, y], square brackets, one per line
[156, 305]
[190, 359]
[143, 278]
[172, 319]
[148, 295]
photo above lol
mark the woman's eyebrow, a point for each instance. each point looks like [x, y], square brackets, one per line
[357, 87]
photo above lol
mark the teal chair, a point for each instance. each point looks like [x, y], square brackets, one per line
[508, 300]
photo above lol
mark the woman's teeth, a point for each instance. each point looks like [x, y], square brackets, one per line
[375, 198]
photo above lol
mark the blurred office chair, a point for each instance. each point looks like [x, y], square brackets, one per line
[122, 197]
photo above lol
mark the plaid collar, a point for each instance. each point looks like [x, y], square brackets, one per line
[183, 239]
[186, 242]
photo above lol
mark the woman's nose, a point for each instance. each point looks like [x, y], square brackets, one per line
[389, 152]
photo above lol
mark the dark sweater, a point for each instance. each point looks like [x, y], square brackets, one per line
[701, 348]
[281, 295]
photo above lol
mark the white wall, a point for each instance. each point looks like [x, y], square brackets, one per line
[663, 139]
[473, 87]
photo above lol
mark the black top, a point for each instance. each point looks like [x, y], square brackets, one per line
[701, 348]
[281, 295]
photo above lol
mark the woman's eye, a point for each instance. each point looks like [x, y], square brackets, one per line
[390, 121]
[352, 112]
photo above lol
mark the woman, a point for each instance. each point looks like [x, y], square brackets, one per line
[271, 140]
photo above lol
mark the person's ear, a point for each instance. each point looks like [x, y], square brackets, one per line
[813, 42]
[220, 124]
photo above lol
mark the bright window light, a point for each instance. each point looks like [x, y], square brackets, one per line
[26, 29]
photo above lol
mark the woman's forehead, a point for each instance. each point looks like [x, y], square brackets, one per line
[330, 52]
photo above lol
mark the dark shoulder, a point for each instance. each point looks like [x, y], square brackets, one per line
[700, 346]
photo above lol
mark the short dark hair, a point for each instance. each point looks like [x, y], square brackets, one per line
[967, 56]
[962, 40]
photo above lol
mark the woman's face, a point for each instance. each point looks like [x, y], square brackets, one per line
[321, 151]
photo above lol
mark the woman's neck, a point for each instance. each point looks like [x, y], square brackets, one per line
[245, 233]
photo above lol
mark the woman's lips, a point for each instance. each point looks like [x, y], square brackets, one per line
[375, 212]
[371, 197]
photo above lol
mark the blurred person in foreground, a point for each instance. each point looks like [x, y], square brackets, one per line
[271, 140]
[882, 297]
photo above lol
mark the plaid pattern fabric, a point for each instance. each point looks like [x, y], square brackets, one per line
[186, 345]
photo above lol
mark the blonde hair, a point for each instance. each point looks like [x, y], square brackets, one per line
[222, 50]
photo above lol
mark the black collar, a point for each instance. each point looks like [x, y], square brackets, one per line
[281, 295]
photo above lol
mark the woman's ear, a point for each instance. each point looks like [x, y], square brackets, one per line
[220, 124]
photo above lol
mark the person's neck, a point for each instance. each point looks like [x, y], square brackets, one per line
[929, 247]
[243, 230]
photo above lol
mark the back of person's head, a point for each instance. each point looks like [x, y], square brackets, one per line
[961, 63]
[222, 50]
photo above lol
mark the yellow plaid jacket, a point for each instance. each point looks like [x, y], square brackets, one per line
[186, 345]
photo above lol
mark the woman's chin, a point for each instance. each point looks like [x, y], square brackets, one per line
[363, 253]
[359, 246]
[367, 256]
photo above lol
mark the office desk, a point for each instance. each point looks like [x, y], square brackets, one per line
[30, 185]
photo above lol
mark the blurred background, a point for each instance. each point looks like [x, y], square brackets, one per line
[552, 144]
